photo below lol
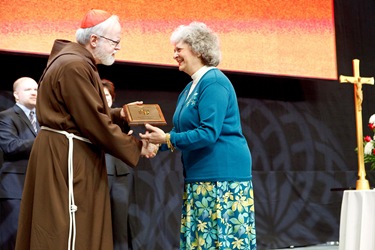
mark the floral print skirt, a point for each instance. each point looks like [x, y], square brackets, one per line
[218, 215]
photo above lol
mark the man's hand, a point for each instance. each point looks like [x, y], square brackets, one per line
[123, 115]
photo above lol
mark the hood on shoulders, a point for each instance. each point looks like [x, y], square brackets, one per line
[61, 46]
[58, 45]
[65, 47]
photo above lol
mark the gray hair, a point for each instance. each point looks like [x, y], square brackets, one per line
[83, 35]
[201, 39]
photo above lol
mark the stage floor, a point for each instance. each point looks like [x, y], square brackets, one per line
[327, 246]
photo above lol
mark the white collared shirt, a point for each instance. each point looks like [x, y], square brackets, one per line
[26, 110]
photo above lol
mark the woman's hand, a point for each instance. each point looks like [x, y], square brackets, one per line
[153, 134]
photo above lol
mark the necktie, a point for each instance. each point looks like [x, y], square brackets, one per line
[33, 120]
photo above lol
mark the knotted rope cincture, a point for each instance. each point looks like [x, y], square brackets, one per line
[72, 206]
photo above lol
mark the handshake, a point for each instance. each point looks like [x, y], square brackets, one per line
[149, 150]
[152, 140]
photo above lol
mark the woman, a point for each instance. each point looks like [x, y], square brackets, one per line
[218, 202]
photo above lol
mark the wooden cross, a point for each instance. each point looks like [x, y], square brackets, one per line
[357, 80]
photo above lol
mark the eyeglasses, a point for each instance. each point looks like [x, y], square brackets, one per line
[112, 42]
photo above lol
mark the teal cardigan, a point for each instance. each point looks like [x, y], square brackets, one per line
[207, 130]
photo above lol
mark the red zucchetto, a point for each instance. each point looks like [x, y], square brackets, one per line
[94, 17]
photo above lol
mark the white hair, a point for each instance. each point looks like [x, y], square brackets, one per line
[83, 35]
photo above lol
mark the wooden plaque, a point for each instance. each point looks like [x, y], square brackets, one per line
[144, 113]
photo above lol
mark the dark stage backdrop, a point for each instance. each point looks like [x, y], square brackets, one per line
[301, 133]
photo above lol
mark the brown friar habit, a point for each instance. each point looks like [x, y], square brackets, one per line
[71, 99]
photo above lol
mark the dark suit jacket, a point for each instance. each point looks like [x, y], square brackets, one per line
[115, 166]
[16, 140]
